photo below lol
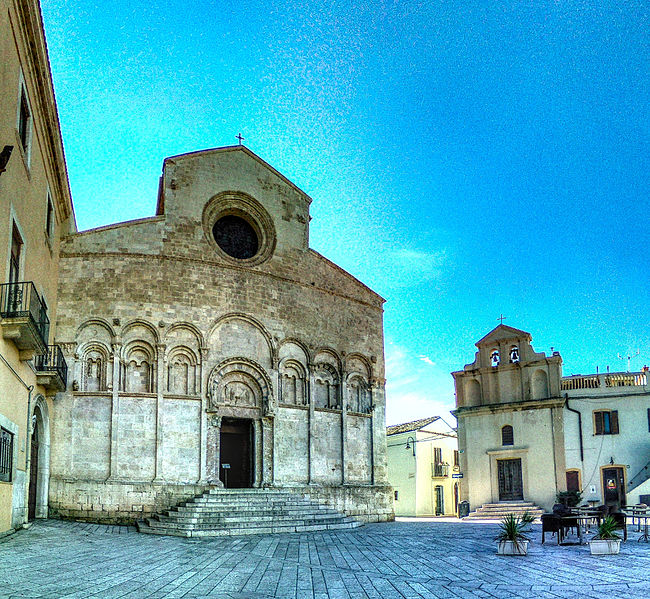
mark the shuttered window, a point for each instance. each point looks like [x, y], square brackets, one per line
[6, 455]
[606, 422]
[507, 436]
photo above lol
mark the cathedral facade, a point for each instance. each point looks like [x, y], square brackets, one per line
[209, 345]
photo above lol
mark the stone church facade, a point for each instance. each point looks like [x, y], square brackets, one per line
[209, 345]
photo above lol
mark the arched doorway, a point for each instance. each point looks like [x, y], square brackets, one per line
[39, 461]
[33, 473]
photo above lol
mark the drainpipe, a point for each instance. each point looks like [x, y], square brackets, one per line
[582, 453]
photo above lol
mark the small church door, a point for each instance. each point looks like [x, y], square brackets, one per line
[33, 475]
[614, 487]
[236, 453]
[511, 487]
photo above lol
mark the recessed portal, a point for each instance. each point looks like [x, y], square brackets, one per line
[236, 468]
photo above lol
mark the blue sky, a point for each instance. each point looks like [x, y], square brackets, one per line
[466, 159]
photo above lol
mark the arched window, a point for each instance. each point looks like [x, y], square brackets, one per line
[507, 437]
[495, 359]
[514, 354]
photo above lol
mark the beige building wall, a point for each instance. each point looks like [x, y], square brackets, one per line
[415, 477]
[34, 176]
[510, 385]
[627, 394]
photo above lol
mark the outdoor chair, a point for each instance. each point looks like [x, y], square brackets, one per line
[566, 522]
[621, 522]
[552, 523]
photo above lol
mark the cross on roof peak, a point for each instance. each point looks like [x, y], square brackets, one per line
[502, 318]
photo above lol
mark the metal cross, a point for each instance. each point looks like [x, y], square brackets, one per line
[502, 318]
[240, 138]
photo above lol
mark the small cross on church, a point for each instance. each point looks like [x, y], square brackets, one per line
[240, 138]
[502, 318]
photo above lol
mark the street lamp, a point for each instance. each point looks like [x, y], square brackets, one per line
[410, 440]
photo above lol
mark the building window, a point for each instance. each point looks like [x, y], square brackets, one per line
[456, 462]
[6, 455]
[49, 218]
[24, 121]
[606, 422]
[14, 259]
[396, 495]
[507, 436]
[649, 420]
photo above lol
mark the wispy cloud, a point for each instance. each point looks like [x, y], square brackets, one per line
[416, 386]
[408, 267]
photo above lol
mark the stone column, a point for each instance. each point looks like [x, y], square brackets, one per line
[115, 411]
[203, 423]
[267, 452]
[258, 461]
[161, 367]
[344, 426]
[213, 453]
[311, 388]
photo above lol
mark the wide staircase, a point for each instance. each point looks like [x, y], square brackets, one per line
[221, 512]
[496, 511]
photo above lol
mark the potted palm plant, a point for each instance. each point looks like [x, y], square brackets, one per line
[511, 537]
[606, 541]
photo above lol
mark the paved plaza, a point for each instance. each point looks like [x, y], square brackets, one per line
[411, 560]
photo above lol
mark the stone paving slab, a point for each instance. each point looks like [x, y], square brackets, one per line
[399, 560]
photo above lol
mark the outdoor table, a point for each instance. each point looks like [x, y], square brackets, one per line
[580, 520]
[636, 512]
[645, 537]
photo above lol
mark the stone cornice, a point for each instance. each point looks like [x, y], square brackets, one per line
[31, 26]
[539, 404]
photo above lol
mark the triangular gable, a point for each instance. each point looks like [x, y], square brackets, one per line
[408, 427]
[502, 332]
[244, 150]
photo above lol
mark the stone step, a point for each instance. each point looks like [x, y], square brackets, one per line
[496, 511]
[219, 512]
[144, 528]
[220, 518]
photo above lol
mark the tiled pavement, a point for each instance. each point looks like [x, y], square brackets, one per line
[396, 560]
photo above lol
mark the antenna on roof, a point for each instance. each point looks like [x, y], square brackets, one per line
[629, 357]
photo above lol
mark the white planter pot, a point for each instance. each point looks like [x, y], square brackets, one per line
[511, 548]
[605, 547]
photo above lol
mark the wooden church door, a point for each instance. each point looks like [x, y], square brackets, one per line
[511, 486]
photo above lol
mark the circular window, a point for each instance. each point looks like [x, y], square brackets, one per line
[239, 228]
[235, 236]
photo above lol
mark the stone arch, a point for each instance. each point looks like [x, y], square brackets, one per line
[138, 360]
[226, 340]
[179, 328]
[293, 382]
[40, 463]
[230, 380]
[326, 386]
[539, 385]
[328, 355]
[181, 375]
[132, 326]
[293, 348]
[101, 324]
[495, 357]
[472, 393]
[358, 393]
[96, 368]
[358, 363]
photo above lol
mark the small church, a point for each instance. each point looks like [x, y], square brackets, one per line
[210, 347]
[527, 433]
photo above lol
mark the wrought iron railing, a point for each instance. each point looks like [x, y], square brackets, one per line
[21, 300]
[53, 361]
[440, 470]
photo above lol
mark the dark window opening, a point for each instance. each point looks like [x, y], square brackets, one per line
[606, 422]
[49, 218]
[507, 436]
[14, 259]
[396, 495]
[6, 455]
[23, 121]
[236, 236]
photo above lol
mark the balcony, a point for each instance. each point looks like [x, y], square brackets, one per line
[604, 383]
[24, 318]
[52, 369]
[439, 470]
